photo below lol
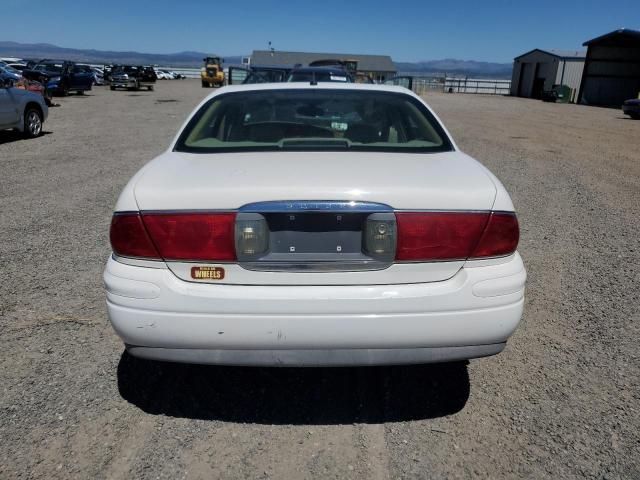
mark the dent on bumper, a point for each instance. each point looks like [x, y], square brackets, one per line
[159, 316]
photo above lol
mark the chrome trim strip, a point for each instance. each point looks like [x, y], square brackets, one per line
[298, 206]
[359, 207]
[337, 266]
[139, 261]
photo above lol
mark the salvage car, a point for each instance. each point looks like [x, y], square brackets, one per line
[60, 77]
[133, 78]
[631, 107]
[8, 72]
[18, 66]
[160, 75]
[21, 109]
[323, 224]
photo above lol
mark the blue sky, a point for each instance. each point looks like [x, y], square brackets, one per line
[488, 30]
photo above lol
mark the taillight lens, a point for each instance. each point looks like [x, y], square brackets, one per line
[192, 236]
[438, 236]
[129, 237]
[425, 236]
[500, 237]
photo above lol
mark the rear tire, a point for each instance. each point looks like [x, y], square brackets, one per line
[79, 92]
[635, 115]
[204, 84]
[32, 122]
[150, 88]
[112, 88]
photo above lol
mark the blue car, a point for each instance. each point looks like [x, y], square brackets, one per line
[60, 77]
[9, 73]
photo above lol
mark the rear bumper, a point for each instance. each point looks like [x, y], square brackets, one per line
[317, 357]
[162, 317]
[130, 83]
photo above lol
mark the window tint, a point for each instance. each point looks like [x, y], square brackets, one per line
[313, 119]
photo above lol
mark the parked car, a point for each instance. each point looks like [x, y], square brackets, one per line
[107, 71]
[133, 78]
[11, 60]
[98, 76]
[632, 108]
[299, 224]
[21, 109]
[176, 75]
[162, 75]
[8, 72]
[17, 66]
[60, 77]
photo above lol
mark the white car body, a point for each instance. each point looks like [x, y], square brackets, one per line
[162, 75]
[413, 312]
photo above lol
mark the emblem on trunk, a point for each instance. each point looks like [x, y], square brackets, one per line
[207, 273]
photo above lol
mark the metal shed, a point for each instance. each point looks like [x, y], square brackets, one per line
[539, 70]
[612, 69]
[378, 67]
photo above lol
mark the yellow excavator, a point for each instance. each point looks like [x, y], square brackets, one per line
[212, 74]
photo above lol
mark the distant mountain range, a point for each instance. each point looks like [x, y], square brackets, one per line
[451, 66]
[194, 59]
[45, 50]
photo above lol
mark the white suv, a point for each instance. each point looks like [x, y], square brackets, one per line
[21, 110]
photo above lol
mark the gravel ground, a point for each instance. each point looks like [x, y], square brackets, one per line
[562, 401]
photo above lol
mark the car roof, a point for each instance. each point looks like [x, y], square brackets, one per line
[374, 87]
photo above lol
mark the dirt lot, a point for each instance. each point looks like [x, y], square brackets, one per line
[562, 401]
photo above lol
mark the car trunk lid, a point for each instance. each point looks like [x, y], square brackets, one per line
[306, 199]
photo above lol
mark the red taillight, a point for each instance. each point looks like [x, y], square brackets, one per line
[500, 237]
[193, 236]
[424, 236]
[434, 236]
[129, 237]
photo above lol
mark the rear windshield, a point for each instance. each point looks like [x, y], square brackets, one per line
[313, 119]
[318, 77]
[49, 67]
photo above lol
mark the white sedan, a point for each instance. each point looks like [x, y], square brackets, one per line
[312, 225]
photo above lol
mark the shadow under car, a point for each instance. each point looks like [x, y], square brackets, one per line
[294, 396]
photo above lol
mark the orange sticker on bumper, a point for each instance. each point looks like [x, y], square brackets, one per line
[207, 273]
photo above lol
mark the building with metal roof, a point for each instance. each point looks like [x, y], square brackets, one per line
[539, 70]
[612, 69]
[378, 67]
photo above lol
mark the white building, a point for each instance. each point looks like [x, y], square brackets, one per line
[539, 70]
